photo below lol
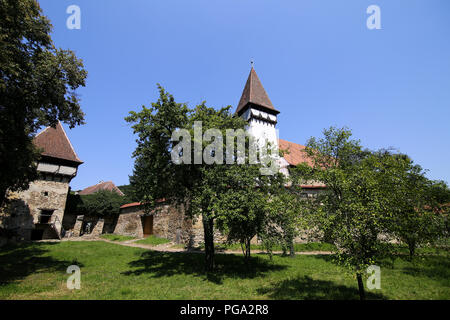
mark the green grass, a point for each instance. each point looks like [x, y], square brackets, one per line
[154, 241]
[111, 271]
[433, 250]
[116, 237]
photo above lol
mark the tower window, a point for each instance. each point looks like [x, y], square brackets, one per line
[45, 216]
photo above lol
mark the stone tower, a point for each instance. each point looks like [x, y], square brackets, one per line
[256, 107]
[37, 213]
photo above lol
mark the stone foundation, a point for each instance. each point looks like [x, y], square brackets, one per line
[169, 221]
[98, 229]
[78, 225]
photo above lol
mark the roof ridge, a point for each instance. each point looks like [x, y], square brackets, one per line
[279, 139]
[254, 93]
[252, 70]
[54, 143]
[70, 143]
[45, 129]
[295, 155]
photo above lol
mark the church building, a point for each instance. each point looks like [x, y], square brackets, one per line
[170, 222]
[38, 212]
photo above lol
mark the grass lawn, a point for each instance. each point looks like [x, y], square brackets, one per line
[111, 271]
[116, 237]
[152, 240]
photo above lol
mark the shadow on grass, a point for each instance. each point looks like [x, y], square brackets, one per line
[19, 261]
[166, 264]
[433, 267]
[307, 288]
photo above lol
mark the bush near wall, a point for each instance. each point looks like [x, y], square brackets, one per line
[103, 203]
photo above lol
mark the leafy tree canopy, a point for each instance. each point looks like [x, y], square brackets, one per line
[103, 203]
[224, 194]
[37, 88]
[368, 193]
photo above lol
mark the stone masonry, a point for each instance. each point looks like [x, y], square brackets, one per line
[26, 207]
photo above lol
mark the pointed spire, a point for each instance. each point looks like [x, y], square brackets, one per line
[254, 93]
[56, 144]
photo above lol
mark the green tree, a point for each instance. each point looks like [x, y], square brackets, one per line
[354, 210]
[417, 205]
[156, 176]
[129, 192]
[288, 212]
[244, 208]
[102, 204]
[208, 181]
[37, 88]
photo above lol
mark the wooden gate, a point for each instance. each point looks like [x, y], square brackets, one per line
[148, 226]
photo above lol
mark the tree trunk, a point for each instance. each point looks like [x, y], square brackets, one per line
[412, 248]
[247, 248]
[284, 250]
[291, 249]
[362, 295]
[290, 244]
[208, 228]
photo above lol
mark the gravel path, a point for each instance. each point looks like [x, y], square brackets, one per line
[168, 247]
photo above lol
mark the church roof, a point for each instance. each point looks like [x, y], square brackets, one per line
[109, 185]
[254, 93]
[295, 154]
[55, 144]
[138, 204]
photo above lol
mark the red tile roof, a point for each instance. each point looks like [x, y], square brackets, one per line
[55, 144]
[296, 154]
[109, 185]
[129, 205]
[138, 204]
[254, 93]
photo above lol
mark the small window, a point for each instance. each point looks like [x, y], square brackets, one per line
[45, 216]
[45, 193]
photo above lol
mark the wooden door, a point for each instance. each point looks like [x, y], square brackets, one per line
[148, 226]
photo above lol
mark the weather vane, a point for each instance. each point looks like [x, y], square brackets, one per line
[252, 62]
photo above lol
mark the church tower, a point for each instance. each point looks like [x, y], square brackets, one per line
[256, 107]
[37, 213]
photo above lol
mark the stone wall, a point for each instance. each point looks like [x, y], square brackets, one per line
[77, 229]
[23, 208]
[130, 223]
[169, 221]
[98, 229]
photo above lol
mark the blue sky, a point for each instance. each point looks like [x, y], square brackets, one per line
[317, 60]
